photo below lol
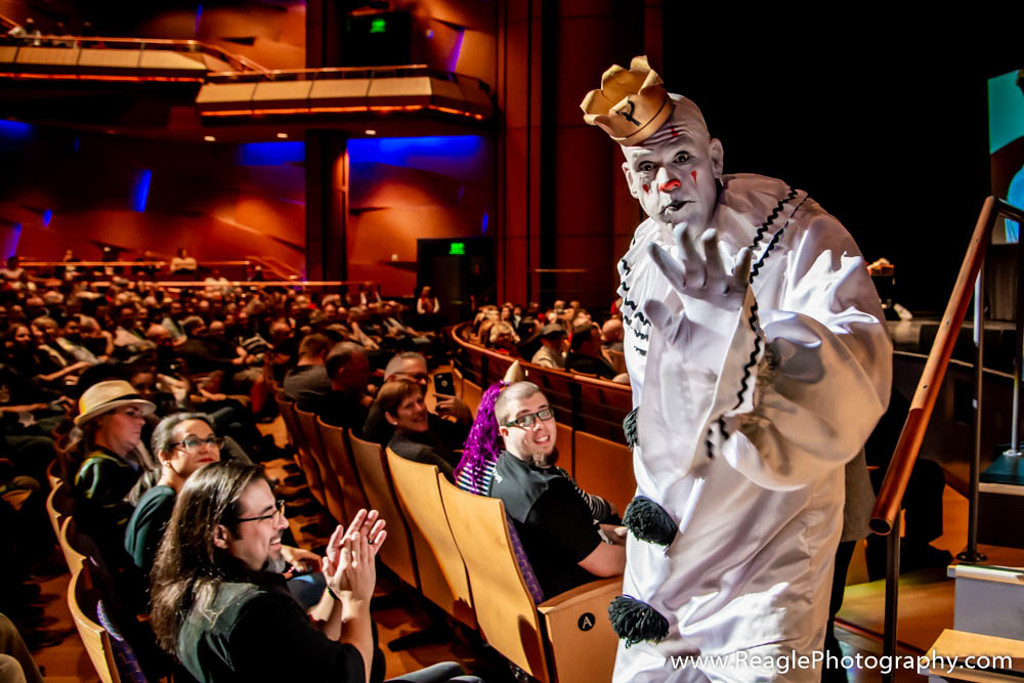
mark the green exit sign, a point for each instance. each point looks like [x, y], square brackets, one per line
[378, 26]
[457, 249]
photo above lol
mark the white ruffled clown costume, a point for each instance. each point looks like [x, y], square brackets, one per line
[751, 393]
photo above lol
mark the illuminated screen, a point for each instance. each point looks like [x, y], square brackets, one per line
[1006, 146]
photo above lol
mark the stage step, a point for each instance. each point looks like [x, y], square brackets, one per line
[952, 655]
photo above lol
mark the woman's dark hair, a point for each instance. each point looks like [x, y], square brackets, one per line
[394, 392]
[189, 568]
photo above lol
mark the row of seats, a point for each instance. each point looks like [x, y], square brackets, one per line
[584, 402]
[111, 655]
[458, 551]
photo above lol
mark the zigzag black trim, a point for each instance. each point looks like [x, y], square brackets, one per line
[630, 303]
[771, 217]
[721, 428]
[751, 362]
[639, 350]
[625, 319]
[756, 268]
[625, 287]
[640, 316]
[709, 444]
[641, 335]
[625, 265]
[768, 250]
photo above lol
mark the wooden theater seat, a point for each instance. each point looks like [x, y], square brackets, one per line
[397, 552]
[604, 468]
[315, 446]
[416, 485]
[82, 605]
[546, 640]
[303, 458]
[59, 505]
[53, 473]
[471, 394]
[337, 450]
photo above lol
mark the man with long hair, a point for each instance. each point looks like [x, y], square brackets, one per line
[219, 606]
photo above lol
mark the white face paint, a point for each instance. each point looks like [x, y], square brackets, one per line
[674, 172]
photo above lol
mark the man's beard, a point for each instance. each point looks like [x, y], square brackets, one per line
[542, 460]
[275, 565]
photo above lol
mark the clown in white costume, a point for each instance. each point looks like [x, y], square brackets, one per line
[759, 364]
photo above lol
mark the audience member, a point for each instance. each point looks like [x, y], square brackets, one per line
[106, 460]
[401, 403]
[217, 602]
[565, 547]
[183, 264]
[307, 383]
[413, 367]
[347, 403]
[552, 346]
[585, 353]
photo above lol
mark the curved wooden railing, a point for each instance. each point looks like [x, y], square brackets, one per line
[585, 403]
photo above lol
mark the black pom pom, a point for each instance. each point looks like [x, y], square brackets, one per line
[629, 426]
[635, 621]
[649, 522]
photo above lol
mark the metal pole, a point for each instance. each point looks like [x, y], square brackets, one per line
[971, 554]
[1015, 416]
[892, 589]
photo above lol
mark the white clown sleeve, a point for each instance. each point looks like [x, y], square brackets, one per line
[788, 387]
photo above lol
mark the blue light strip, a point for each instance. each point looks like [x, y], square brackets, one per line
[271, 153]
[140, 194]
[453, 59]
[398, 151]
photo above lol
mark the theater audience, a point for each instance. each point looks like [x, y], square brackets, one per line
[347, 403]
[401, 403]
[307, 383]
[552, 346]
[450, 422]
[585, 353]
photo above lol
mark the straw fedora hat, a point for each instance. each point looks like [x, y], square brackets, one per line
[103, 397]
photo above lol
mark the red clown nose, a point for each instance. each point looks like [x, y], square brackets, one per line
[669, 186]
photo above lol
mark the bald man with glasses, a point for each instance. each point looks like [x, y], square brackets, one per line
[565, 546]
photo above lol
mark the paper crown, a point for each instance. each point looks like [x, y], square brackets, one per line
[631, 105]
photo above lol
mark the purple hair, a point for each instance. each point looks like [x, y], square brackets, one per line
[484, 443]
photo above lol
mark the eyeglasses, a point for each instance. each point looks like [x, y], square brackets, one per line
[278, 510]
[193, 443]
[528, 420]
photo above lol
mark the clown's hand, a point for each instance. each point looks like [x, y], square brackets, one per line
[704, 286]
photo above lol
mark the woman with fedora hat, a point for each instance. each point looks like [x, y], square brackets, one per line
[106, 461]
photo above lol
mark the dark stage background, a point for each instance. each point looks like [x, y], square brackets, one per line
[880, 117]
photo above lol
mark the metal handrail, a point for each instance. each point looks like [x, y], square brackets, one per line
[885, 515]
[887, 505]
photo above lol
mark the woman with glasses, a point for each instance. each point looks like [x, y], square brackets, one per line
[184, 443]
[401, 403]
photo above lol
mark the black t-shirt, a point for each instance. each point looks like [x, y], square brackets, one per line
[551, 519]
[259, 633]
